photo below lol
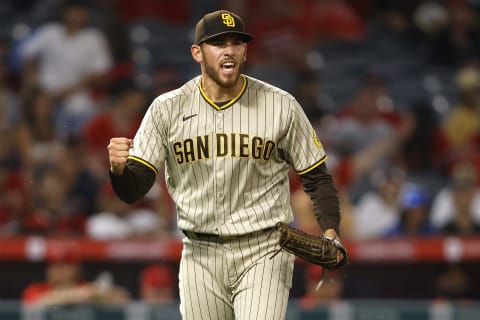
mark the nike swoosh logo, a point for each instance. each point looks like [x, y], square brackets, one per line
[185, 118]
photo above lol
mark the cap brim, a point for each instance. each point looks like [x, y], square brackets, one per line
[246, 36]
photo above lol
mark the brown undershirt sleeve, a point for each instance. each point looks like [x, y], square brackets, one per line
[134, 183]
[318, 184]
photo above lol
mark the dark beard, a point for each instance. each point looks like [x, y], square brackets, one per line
[210, 71]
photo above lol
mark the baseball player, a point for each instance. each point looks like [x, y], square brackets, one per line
[226, 142]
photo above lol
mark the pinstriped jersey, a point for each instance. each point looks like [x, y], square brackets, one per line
[226, 165]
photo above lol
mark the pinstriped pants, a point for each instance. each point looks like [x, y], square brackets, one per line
[235, 280]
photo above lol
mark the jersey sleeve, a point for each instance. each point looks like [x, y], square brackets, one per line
[101, 60]
[303, 149]
[150, 142]
[34, 45]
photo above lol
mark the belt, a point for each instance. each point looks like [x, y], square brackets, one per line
[211, 237]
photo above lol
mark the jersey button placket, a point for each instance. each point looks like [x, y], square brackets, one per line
[219, 166]
[219, 122]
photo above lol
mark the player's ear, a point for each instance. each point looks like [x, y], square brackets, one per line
[197, 53]
[245, 53]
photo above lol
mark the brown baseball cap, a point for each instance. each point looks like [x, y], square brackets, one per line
[220, 22]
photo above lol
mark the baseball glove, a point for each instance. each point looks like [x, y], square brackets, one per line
[319, 250]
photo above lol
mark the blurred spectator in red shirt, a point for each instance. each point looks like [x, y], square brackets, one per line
[53, 213]
[368, 133]
[121, 118]
[64, 284]
[279, 38]
[366, 118]
[331, 20]
[158, 284]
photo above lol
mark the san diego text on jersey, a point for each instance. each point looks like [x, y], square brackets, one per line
[232, 145]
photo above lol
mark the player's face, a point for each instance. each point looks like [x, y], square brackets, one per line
[223, 59]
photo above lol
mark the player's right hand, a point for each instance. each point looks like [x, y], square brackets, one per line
[118, 154]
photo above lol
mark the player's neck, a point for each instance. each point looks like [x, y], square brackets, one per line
[218, 93]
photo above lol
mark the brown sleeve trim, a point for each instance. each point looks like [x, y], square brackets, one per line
[318, 183]
[134, 183]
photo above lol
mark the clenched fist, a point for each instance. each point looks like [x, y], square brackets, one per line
[118, 154]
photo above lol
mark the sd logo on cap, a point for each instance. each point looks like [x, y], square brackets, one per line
[220, 22]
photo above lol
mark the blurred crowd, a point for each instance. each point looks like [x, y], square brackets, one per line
[64, 283]
[73, 74]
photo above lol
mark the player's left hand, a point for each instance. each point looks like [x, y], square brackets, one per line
[331, 233]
